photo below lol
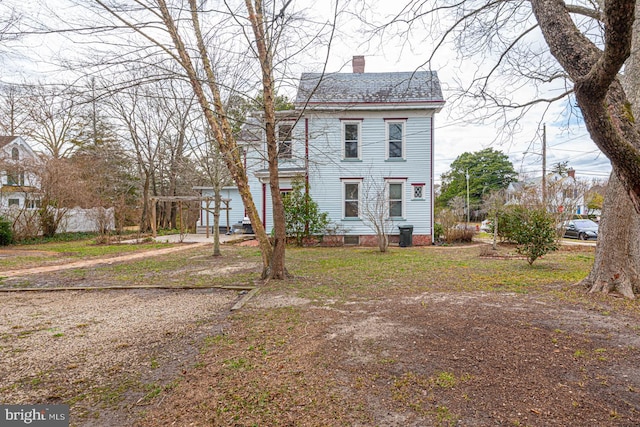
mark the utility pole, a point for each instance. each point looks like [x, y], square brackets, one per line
[94, 117]
[467, 175]
[544, 165]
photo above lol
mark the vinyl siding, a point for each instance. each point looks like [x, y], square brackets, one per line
[327, 169]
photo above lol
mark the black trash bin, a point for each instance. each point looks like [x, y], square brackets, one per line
[406, 235]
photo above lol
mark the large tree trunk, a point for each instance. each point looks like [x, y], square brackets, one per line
[217, 119]
[617, 262]
[277, 268]
[216, 223]
[145, 217]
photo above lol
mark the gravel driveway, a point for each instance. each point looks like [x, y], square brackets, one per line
[105, 349]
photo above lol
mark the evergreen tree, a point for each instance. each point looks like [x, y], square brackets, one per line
[489, 170]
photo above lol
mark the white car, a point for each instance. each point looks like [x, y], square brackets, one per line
[486, 226]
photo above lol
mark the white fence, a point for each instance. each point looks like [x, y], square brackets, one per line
[88, 220]
[26, 221]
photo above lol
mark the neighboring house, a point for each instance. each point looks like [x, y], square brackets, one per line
[18, 186]
[564, 193]
[354, 137]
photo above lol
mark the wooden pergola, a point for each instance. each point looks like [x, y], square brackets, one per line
[180, 199]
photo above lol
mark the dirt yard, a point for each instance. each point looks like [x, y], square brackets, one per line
[179, 357]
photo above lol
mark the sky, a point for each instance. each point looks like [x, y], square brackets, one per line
[453, 135]
[566, 137]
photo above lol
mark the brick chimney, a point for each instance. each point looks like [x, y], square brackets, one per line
[572, 173]
[358, 64]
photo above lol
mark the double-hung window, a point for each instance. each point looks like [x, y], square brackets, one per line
[15, 178]
[395, 195]
[351, 199]
[395, 139]
[351, 139]
[285, 141]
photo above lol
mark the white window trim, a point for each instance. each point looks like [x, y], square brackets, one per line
[413, 191]
[344, 199]
[402, 182]
[358, 123]
[386, 139]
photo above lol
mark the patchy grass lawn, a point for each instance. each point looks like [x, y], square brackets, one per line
[16, 257]
[346, 273]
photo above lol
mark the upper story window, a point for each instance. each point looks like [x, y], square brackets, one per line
[285, 141]
[395, 139]
[15, 178]
[351, 140]
[15, 153]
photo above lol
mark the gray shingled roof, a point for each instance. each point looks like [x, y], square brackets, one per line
[367, 88]
[4, 140]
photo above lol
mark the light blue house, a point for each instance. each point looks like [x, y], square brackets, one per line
[364, 144]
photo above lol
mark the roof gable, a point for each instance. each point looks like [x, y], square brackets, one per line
[370, 88]
[17, 141]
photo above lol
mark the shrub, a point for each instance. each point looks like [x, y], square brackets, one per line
[508, 220]
[451, 230]
[302, 216]
[438, 232]
[532, 230]
[6, 233]
[459, 234]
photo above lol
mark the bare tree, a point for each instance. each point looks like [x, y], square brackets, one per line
[377, 209]
[61, 189]
[180, 26]
[173, 157]
[196, 36]
[13, 109]
[264, 33]
[10, 20]
[210, 161]
[140, 112]
[55, 119]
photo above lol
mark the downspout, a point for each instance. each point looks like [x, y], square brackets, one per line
[306, 165]
[306, 155]
[264, 205]
[432, 192]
